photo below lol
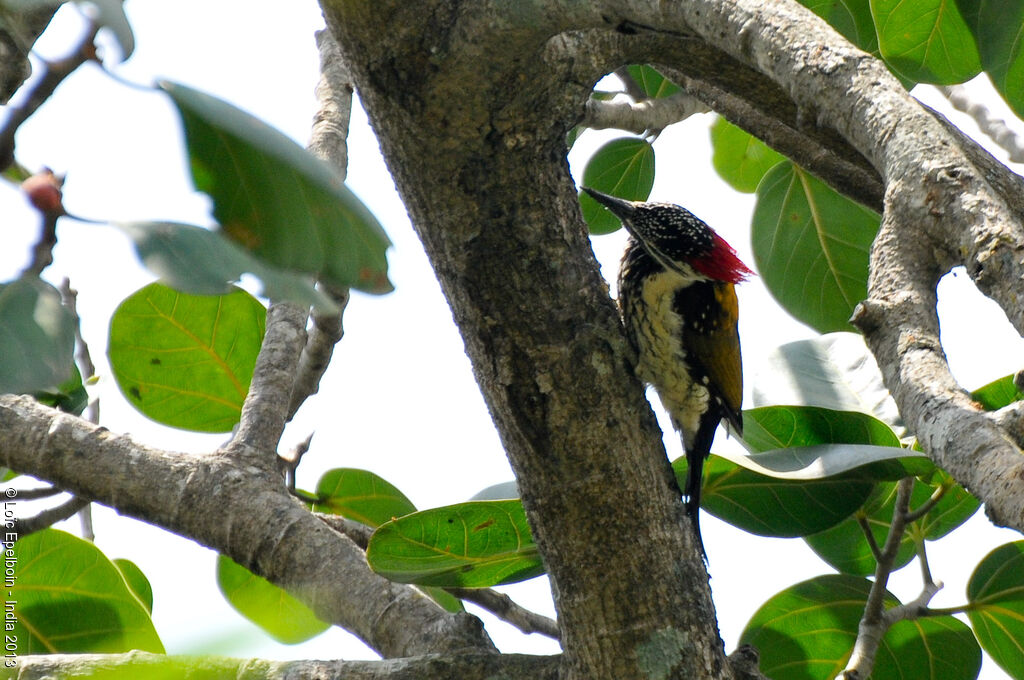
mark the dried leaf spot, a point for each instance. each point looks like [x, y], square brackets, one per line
[241, 233]
[484, 525]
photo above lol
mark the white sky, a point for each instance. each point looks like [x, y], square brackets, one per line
[399, 399]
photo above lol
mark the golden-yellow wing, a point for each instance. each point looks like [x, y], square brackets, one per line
[713, 344]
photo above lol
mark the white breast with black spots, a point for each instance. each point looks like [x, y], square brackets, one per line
[663, 360]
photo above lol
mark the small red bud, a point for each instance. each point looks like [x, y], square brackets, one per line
[43, 190]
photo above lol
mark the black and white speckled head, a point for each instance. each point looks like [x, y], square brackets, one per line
[676, 238]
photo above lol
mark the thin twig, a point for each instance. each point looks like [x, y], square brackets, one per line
[875, 623]
[54, 74]
[633, 89]
[83, 359]
[869, 536]
[326, 332]
[36, 494]
[993, 127]
[502, 606]
[328, 141]
[916, 608]
[926, 507]
[49, 517]
[922, 558]
[329, 138]
[290, 462]
[42, 250]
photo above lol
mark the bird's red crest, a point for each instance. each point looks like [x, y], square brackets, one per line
[722, 263]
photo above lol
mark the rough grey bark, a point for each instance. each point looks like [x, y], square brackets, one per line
[471, 102]
[476, 146]
[462, 666]
[237, 505]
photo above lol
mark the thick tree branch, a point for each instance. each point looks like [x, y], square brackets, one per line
[641, 116]
[464, 665]
[233, 507]
[264, 412]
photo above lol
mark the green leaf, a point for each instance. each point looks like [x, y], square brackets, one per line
[932, 648]
[844, 546]
[999, 29]
[996, 595]
[70, 598]
[997, 394]
[369, 499]
[807, 632]
[186, 360]
[835, 371]
[807, 491]
[955, 507]
[360, 495]
[271, 608]
[777, 427]
[775, 507]
[202, 262]
[623, 167]
[37, 338]
[927, 41]
[741, 159]
[469, 545]
[497, 492]
[823, 461]
[651, 82]
[851, 18]
[70, 397]
[277, 200]
[136, 582]
[811, 246]
[448, 602]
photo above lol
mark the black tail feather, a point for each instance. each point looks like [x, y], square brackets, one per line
[696, 453]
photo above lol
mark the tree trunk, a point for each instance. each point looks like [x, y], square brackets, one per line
[476, 143]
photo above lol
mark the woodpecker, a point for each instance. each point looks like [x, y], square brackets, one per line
[677, 297]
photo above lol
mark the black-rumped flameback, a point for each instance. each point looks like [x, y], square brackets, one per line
[677, 296]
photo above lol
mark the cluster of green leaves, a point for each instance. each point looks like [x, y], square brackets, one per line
[183, 351]
[284, 217]
[937, 42]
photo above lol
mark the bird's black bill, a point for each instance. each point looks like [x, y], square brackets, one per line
[620, 208]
